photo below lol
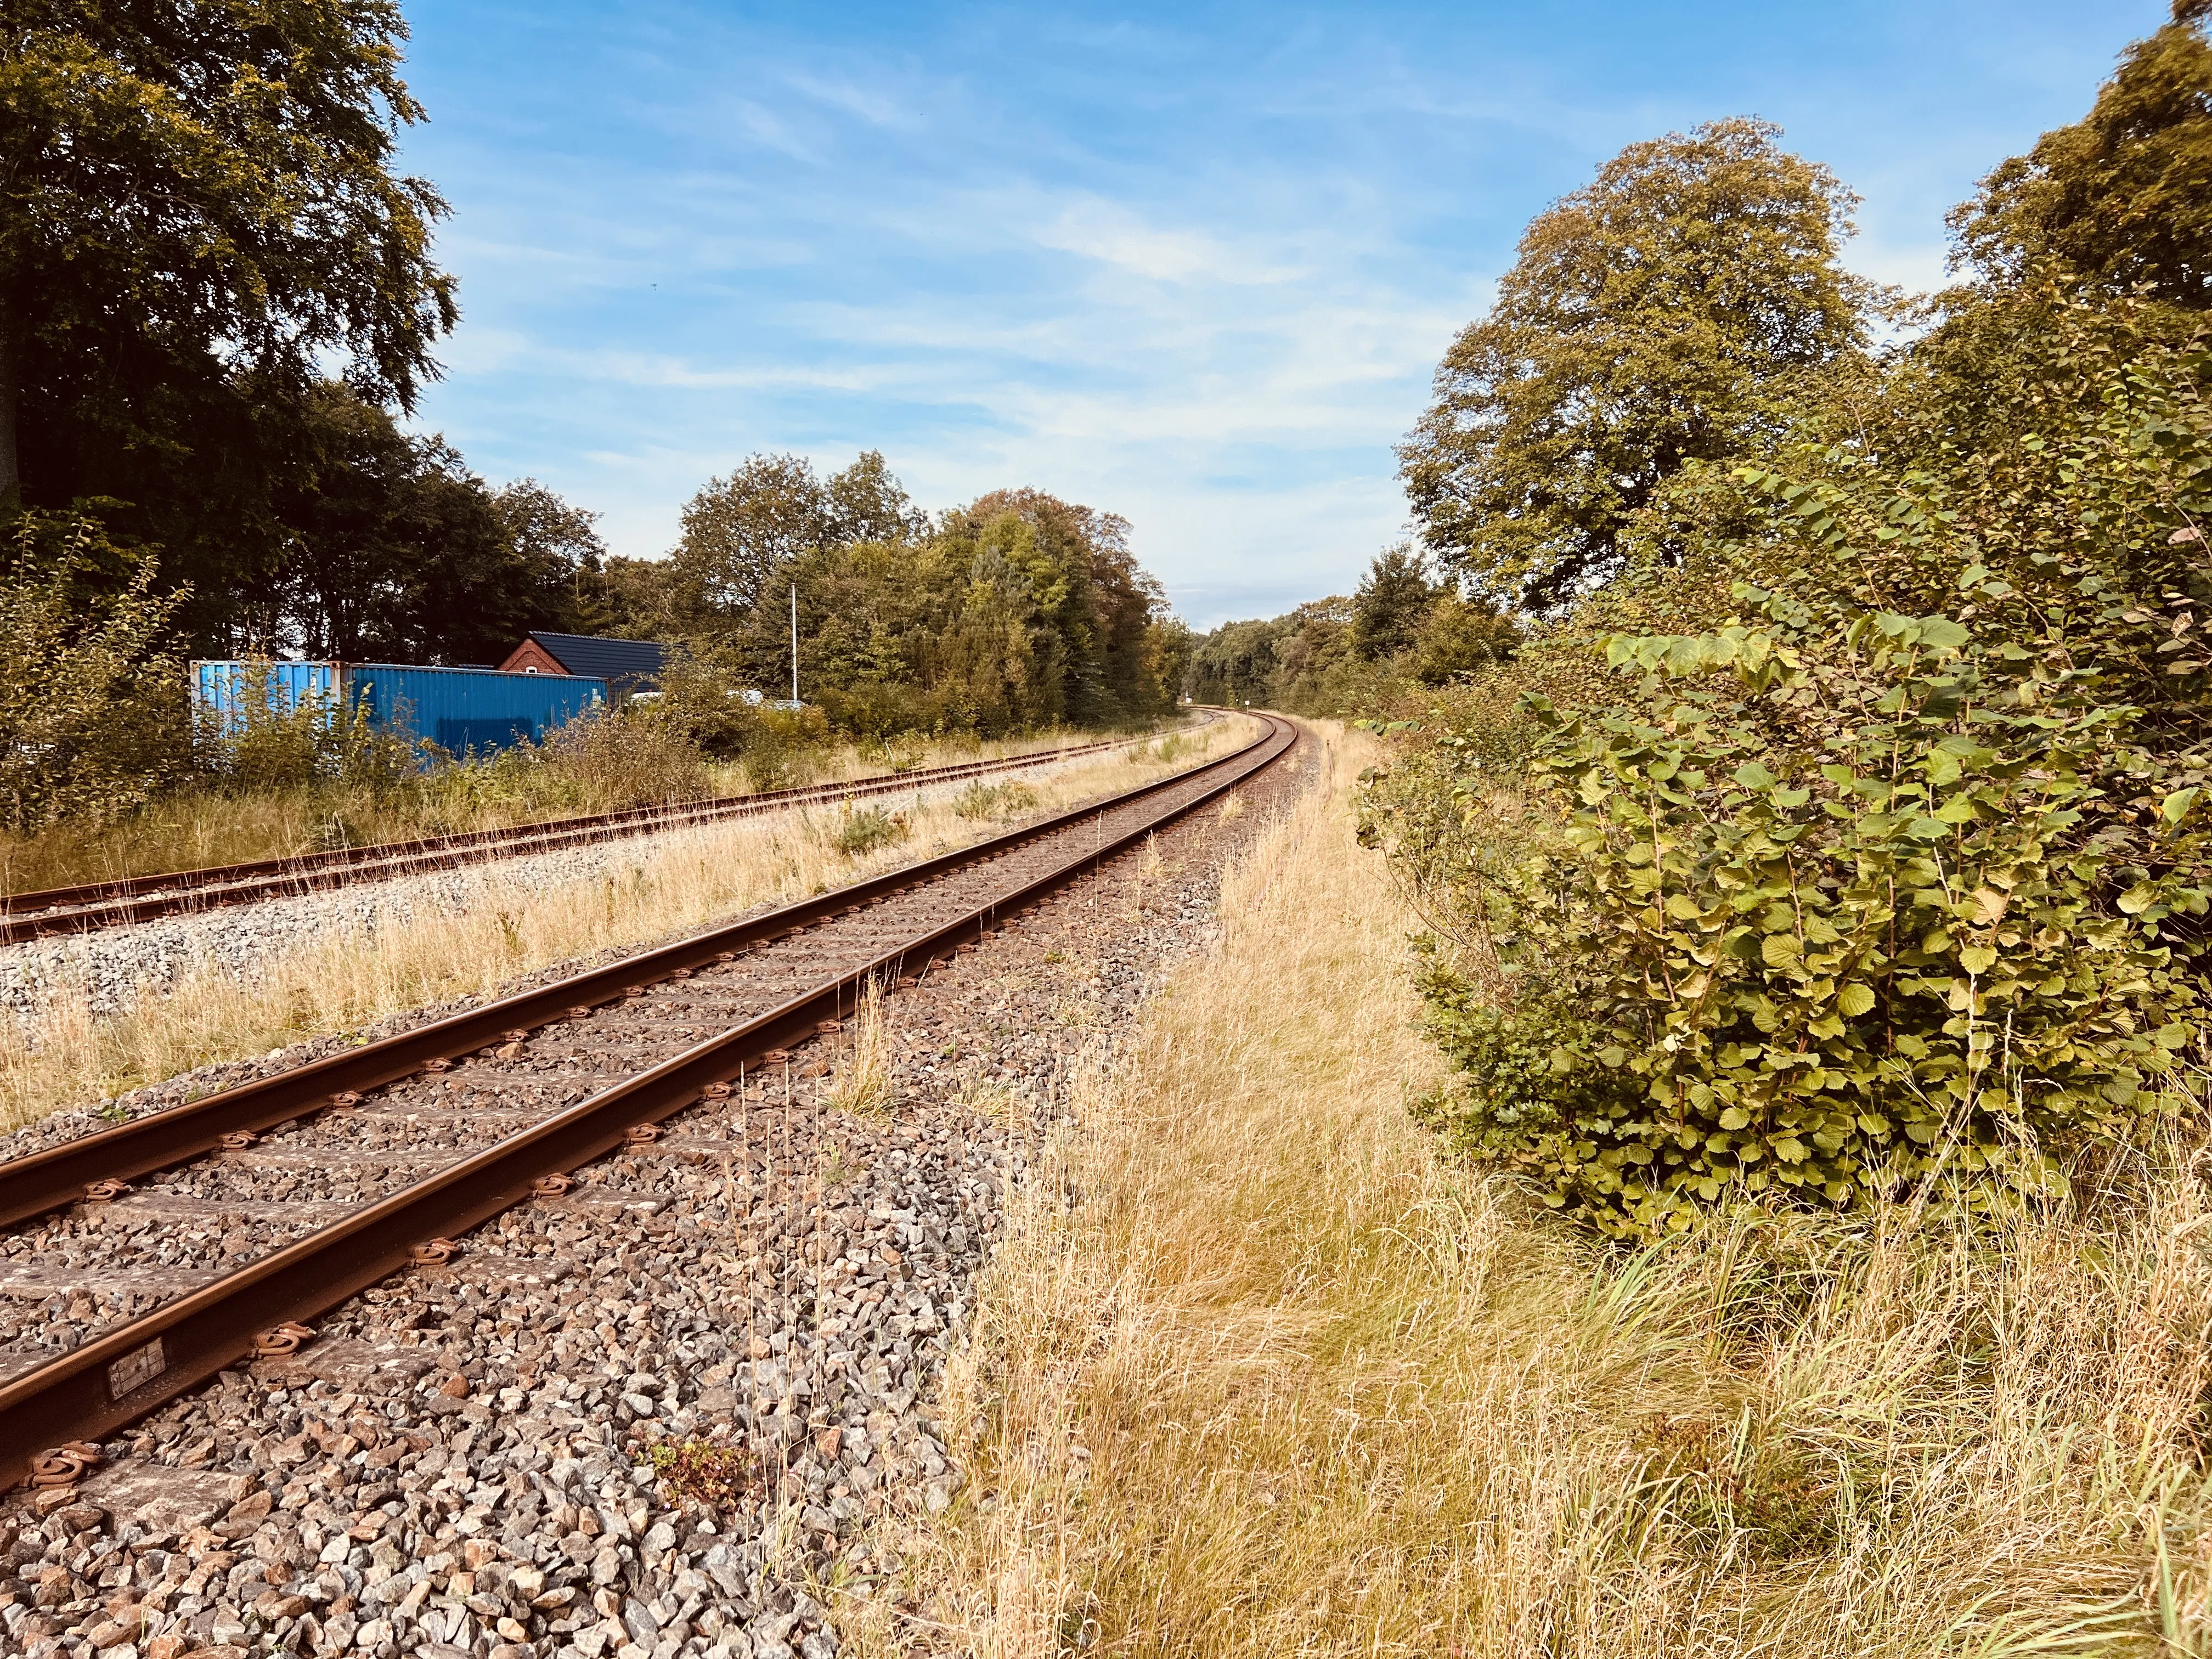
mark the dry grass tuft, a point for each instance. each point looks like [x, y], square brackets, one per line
[1257, 1373]
[65, 1055]
[862, 1085]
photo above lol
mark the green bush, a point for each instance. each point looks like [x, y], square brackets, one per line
[867, 830]
[1946, 937]
[265, 741]
[620, 759]
[93, 720]
[1833, 898]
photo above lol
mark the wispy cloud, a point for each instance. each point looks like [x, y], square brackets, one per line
[1193, 264]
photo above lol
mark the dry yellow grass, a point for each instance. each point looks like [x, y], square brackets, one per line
[65, 1055]
[863, 1082]
[198, 826]
[1256, 1373]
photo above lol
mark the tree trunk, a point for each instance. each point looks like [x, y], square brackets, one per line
[11, 481]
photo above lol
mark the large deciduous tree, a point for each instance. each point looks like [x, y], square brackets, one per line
[1668, 312]
[396, 552]
[198, 220]
[740, 530]
[2122, 198]
[1392, 601]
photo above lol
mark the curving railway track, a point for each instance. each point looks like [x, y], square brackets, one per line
[97, 905]
[148, 1256]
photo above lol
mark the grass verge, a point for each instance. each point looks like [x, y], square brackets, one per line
[610, 771]
[1258, 1372]
[65, 1055]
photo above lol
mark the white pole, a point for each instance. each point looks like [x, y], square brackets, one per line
[794, 641]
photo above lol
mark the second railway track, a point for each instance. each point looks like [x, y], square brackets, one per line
[324, 1179]
[94, 906]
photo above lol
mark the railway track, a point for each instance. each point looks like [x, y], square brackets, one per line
[150, 1255]
[98, 905]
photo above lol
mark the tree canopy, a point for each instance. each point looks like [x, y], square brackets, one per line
[1017, 610]
[1861, 851]
[770, 510]
[2122, 197]
[1666, 312]
[1393, 597]
[198, 191]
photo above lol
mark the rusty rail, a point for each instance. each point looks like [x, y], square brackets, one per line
[116, 1378]
[96, 905]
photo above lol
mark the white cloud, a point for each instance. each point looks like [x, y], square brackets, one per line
[1113, 233]
[1203, 288]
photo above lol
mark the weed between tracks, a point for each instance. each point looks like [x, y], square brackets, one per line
[1257, 1373]
[350, 978]
[862, 1084]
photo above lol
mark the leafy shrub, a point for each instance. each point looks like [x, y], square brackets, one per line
[868, 829]
[1940, 931]
[996, 801]
[92, 711]
[618, 760]
[1832, 898]
[266, 741]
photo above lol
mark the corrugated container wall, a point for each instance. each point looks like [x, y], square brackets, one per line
[223, 687]
[460, 709]
[463, 708]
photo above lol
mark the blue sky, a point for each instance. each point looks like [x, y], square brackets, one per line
[1193, 264]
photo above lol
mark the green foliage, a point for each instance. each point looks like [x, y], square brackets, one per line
[92, 718]
[1018, 612]
[1674, 310]
[269, 741]
[1849, 839]
[1944, 925]
[741, 532]
[1833, 898]
[2123, 198]
[398, 553]
[1458, 637]
[865, 830]
[199, 216]
[1392, 602]
[997, 801]
[1369, 653]
[630, 756]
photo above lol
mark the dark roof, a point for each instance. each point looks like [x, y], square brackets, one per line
[625, 663]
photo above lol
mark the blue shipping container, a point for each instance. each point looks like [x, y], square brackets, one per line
[222, 687]
[460, 709]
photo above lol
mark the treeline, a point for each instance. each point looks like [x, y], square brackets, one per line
[1840, 827]
[1016, 611]
[218, 304]
[1402, 629]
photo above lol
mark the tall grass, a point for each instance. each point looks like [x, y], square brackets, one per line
[1259, 1372]
[596, 766]
[864, 1082]
[510, 925]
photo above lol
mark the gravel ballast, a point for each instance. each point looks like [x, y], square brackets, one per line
[463, 1461]
[112, 968]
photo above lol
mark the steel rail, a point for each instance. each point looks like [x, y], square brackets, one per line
[114, 1379]
[96, 905]
[48, 1180]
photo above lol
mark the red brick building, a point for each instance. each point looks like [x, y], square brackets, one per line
[627, 665]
